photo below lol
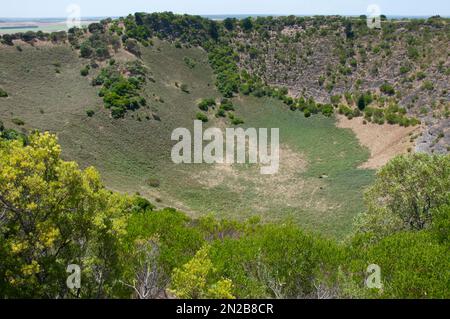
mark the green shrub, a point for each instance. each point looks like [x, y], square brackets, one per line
[344, 110]
[84, 71]
[90, 113]
[184, 87]
[86, 50]
[226, 105]
[364, 100]
[202, 117]
[189, 62]
[387, 88]
[18, 121]
[204, 104]
[3, 93]
[327, 110]
[153, 182]
[335, 99]
[221, 113]
[427, 85]
[133, 47]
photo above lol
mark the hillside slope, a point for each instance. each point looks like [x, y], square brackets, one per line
[318, 161]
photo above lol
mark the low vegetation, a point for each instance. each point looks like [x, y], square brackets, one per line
[124, 241]
[121, 93]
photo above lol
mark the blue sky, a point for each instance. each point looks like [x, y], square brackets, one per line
[57, 8]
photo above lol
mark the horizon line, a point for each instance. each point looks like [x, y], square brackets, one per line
[233, 14]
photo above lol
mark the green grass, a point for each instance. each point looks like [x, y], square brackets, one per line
[129, 152]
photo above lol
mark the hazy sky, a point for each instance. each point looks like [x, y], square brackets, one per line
[57, 8]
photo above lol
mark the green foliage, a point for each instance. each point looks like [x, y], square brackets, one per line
[55, 215]
[412, 52]
[387, 88]
[84, 71]
[18, 121]
[413, 265]
[3, 93]
[192, 281]
[428, 85]
[205, 104]
[190, 62]
[235, 120]
[202, 117]
[275, 261]
[86, 50]
[69, 216]
[90, 113]
[335, 99]
[184, 87]
[247, 24]
[132, 46]
[406, 192]
[121, 93]
[364, 100]
[327, 110]
[223, 61]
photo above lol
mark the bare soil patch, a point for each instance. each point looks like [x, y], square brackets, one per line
[384, 141]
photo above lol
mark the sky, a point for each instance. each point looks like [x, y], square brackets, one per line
[102, 8]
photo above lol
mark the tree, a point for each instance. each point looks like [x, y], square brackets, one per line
[327, 110]
[133, 46]
[229, 24]
[3, 93]
[413, 265]
[53, 215]
[387, 88]
[202, 117]
[247, 24]
[204, 104]
[349, 30]
[364, 100]
[194, 280]
[213, 30]
[405, 194]
[96, 27]
[86, 50]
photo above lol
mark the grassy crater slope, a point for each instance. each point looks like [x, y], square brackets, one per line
[318, 185]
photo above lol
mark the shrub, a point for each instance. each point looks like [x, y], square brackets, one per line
[427, 85]
[237, 121]
[202, 117]
[86, 50]
[84, 71]
[189, 62]
[220, 113]
[407, 189]
[153, 182]
[327, 110]
[90, 113]
[344, 110]
[204, 104]
[184, 87]
[421, 75]
[387, 88]
[364, 100]
[3, 93]
[335, 99]
[133, 47]
[247, 24]
[18, 121]
[413, 53]
[8, 39]
[226, 105]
